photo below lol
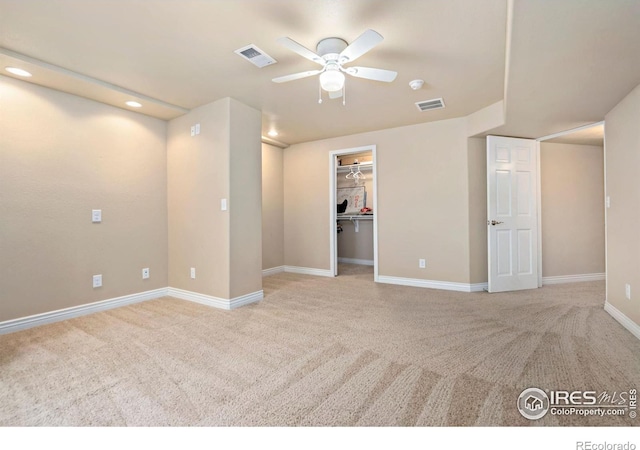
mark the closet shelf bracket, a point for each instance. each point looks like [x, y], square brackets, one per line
[355, 219]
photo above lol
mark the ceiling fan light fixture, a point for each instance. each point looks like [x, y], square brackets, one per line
[332, 80]
[331, 54]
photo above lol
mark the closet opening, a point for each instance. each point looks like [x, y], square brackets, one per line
[353, 200]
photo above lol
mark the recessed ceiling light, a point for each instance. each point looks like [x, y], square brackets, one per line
[16, 71]
[272, 133]
[134, 104]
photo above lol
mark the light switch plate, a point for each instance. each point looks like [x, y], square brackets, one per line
[96, 215]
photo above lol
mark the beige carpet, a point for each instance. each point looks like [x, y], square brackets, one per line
[319, 351]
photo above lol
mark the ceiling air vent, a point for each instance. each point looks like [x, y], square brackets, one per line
[427, 105]
[255, 56]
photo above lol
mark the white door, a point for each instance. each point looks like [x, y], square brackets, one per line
[512, 213]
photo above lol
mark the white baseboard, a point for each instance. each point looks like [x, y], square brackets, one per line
[272, 271]
[216, 302]
[24, 323]
[246, 299]
[308, 271]
[479, 287]
[362, 262]
[431, 284]
[629, 324]
[574, 278]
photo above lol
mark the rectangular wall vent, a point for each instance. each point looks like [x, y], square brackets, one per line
[256, 56]
[427, 105]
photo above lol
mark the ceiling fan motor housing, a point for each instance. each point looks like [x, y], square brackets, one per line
[330, 48]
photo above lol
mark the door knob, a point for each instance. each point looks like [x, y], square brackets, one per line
[494, 222]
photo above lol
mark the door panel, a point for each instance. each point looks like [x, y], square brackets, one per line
[504, 253]
[512, 175]
[524, 193]
[525, 252]
[503, 193]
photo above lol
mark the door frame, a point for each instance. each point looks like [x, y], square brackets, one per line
[539, 207]
[333, 238]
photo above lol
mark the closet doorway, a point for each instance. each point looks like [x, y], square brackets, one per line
[353, 194]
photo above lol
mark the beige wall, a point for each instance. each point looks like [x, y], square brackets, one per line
[272, 207]
[622, 162]
[245, 199]
[572, 195]
[486, 119]
[198, 178]
[222, 162]
[60, 157]
[354, 245]
[423, 200]
[477, 154]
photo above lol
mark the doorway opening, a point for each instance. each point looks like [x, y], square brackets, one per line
[573, 205]
[569, 199]
[353, 216]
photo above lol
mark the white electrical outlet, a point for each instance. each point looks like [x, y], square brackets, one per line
[145, 273]
[608, 202]
[422, 263]
[96, 215]
[223, 204]
[97, 281]
[197, 128]
[627, 291]
[193, 272]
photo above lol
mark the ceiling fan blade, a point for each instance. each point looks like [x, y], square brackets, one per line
[301, 50]
[372, 74]
[296, 76]
[335, 94]
[365, 42]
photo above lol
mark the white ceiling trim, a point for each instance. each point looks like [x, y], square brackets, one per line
[571, 131]
[268, 140]
[507, 54]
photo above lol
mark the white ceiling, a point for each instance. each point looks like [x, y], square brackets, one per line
[570, 60]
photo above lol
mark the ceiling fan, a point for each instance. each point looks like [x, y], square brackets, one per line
[332, 54]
